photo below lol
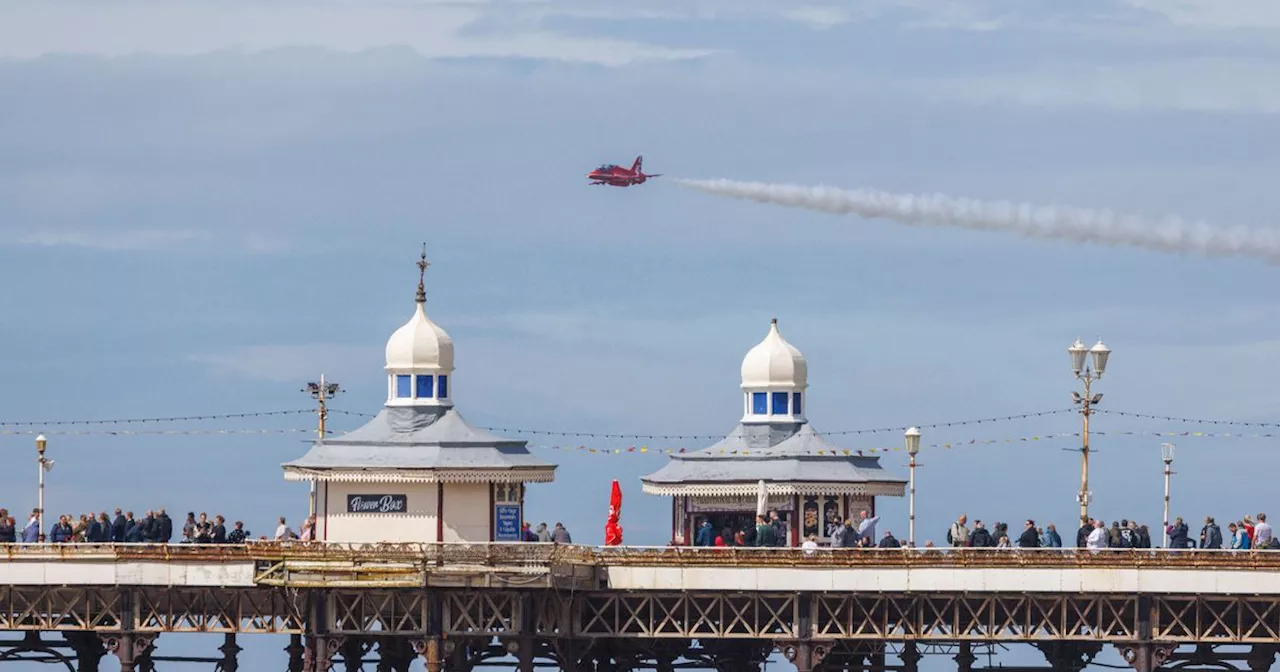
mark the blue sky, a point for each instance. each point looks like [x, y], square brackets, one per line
[205, 205]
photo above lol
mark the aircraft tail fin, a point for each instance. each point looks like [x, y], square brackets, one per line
[635, 167]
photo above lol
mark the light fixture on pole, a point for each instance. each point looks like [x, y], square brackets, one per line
[45, 464]
[1166, 454]
[912, 436]
[321, 392]
[1087, 372]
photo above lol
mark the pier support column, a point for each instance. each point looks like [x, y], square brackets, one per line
[429, 649]
[964, 658]
[1069, 656]
[1262, 657]
[353, 650]
[230, 659]
[88, 649]
[805, 655]
[1145, 656]
[296, 651]
[910, 657]
[131, 649]
[394, 654]
[319, 653]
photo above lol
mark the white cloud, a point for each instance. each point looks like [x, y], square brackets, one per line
[191, 27]
[292, 363]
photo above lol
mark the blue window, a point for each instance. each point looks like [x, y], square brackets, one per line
[404, 388]
[759, 403]
[795, 404]
[425, 385]
[444, 387]
[780, 403]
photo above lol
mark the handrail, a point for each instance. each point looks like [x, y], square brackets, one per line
[448, 555]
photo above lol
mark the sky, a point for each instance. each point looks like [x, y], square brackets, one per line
[205, 205]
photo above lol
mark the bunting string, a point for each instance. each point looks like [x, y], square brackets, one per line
[1188, 421]
[646, 449]
[139, 421]
[765, 452]
[716, 437]
[148, 432]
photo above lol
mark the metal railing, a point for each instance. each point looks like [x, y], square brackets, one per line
[546, 555]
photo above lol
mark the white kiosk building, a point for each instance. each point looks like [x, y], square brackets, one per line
[418, 472]
[810, 482]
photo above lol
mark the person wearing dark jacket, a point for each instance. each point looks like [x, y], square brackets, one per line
[850, 538]
[889, 541]
[980, 537]
[766, 534]
[1210, 534]
[1082, 536]
[1030, 538]
[239, 534]
[133, 535]
[150, 527]
[119, 527]
[219, 530]
[1178, 534]
[704, 537]
[8, 534]
[166, 527]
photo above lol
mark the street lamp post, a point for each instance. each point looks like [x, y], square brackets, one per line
[1086, 373]
[1166, 453]
[45, 464]
[321, 392]
[913, 446]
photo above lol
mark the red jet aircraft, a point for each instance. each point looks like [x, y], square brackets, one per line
[617, 176]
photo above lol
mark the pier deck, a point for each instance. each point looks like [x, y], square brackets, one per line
[575, 605]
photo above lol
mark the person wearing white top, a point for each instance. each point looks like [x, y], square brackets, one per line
[1262, 533]
[1097, 538]
[810, 545]
[283, 533]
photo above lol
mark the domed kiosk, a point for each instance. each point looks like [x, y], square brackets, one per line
[418, 472]
[810, 482]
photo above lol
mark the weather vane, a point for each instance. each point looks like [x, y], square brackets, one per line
[422, 272]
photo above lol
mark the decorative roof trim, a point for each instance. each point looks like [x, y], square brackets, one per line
[751, 489]
[526, 475]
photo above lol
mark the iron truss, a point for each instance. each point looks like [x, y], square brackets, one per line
[461, 613]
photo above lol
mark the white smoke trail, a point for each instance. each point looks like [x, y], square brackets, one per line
[1082, 225]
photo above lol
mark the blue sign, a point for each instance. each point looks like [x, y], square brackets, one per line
[506, 518]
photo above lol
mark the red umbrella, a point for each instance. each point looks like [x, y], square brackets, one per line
[612, 530]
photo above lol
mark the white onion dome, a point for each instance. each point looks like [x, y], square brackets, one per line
[420, 346]
[774, 364]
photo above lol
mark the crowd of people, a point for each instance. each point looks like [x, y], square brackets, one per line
[558, 534]
[156, 527]
[1122, 534]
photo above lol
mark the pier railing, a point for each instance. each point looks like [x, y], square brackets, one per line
[534, 555]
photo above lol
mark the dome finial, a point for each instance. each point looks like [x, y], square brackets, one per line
[422, 272]
[774, 321]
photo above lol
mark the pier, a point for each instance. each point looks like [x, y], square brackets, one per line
[575, 608]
